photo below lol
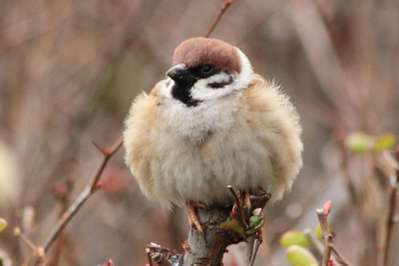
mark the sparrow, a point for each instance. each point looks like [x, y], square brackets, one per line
[212, 122]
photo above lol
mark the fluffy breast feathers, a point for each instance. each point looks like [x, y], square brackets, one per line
[249, 139]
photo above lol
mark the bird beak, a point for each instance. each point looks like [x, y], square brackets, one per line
[179, 73]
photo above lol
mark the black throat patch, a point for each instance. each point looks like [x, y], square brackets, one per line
[181, 92]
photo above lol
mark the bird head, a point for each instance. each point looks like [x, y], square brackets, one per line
[206, 69]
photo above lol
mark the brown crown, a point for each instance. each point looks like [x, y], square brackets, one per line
[198, 51]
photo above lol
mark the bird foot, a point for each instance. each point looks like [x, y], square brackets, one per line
[193, 216]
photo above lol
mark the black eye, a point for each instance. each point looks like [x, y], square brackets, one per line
[206, 69]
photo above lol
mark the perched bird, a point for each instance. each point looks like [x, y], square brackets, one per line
[212, 122]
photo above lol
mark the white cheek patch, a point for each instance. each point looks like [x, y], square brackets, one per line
[218, 78]
[202, 92]
[166, 86]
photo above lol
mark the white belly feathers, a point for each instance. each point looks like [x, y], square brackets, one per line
[203, 149]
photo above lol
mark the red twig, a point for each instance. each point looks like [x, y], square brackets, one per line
[89, 190]
[239, 206]
[62, 191]
[226, 4]
[322, 214]
[329, 247]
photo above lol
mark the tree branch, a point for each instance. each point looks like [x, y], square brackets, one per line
[89, 190]
[222, 227]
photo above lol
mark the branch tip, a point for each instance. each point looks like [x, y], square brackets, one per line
[86, 193]
[226, 4]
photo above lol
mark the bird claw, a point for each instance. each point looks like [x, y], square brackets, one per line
[192, 215]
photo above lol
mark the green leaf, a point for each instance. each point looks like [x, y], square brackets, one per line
[385, 142]
[294, 237]
[3, 224]
[359, 143]
[255, 222]
[234, 226]
[300, 256]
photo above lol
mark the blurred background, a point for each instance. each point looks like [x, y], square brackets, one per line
[70, 69]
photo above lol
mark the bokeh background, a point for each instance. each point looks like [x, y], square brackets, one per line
[70, 69]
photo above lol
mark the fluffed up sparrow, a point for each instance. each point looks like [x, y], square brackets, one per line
[212, 122]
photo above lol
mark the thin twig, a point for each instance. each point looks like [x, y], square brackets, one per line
[239, 206]
[83, 196]
[226, 4]
[258, 242]
[63, 194]
[338, 256]
[315, 242]
[322, 214]
[254, 242]
[37, 251]
[390, 222]
[18, 233]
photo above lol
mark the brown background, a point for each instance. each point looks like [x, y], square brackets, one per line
[70, 69]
